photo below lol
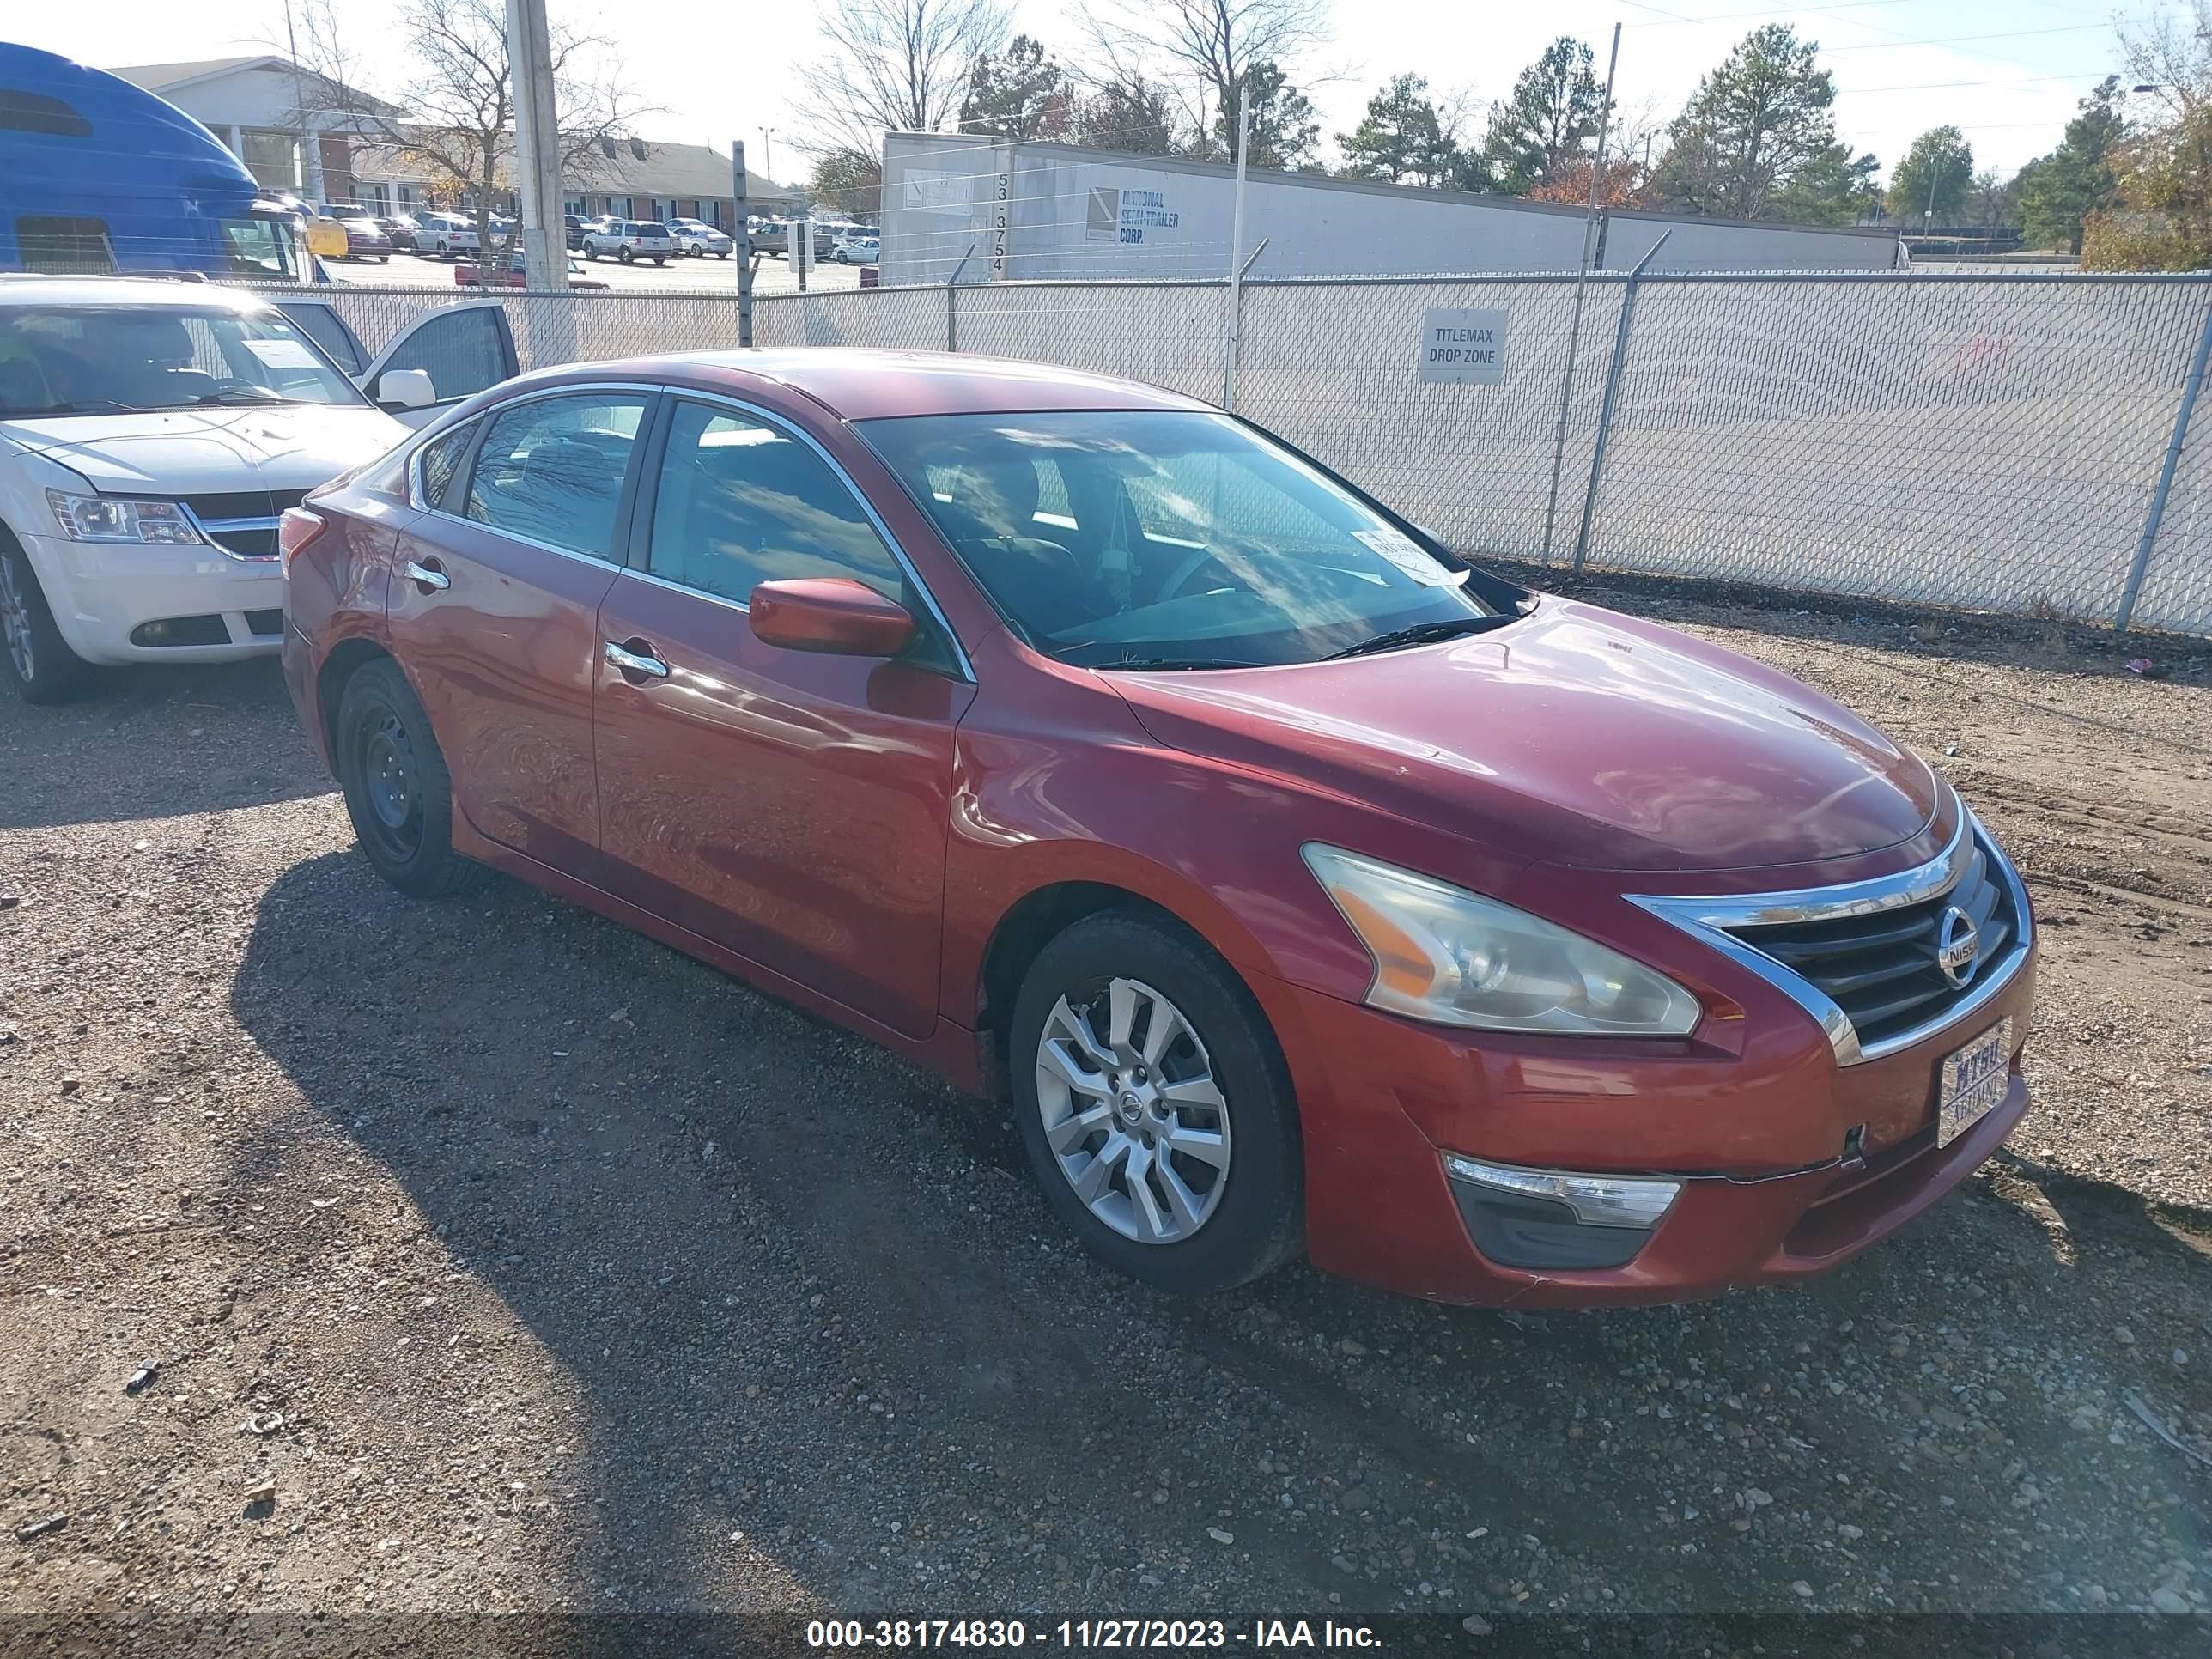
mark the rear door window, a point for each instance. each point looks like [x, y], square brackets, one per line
[553, 469]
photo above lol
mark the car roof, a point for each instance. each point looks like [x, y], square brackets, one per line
[867, 384]
[17, 288]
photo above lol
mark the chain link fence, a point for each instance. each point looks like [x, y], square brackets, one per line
[1994, 441]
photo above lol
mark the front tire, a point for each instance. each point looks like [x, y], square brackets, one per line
[1155, 1106]
[35, 659]
[397, 792]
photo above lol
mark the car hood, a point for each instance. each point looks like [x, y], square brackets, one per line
[1573, 736]
[198, 452]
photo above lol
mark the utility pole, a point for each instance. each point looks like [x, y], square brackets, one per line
[537, 149]
[1237, 255]
[741, 233]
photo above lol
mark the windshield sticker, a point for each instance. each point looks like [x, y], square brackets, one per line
[1406, 553]
[283, 354]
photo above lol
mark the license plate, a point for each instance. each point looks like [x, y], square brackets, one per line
[1975, 1078]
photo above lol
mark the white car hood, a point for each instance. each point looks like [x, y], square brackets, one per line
[202, 451]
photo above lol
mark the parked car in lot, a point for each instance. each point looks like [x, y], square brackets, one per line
[860, 250]
[1304, 884]
[150, 435]
[400, 227]
[445, 234]
[573, 227]
[517, 274]
[626, 240]
[698, 238]
[365, 240]
[771, 236]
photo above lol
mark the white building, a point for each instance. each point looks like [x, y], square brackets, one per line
[293, 131]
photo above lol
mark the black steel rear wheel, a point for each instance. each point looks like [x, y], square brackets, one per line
[397, 792]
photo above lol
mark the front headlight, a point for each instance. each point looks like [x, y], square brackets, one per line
[1451, 956]
[103, 518]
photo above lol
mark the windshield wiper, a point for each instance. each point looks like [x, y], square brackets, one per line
[1177, 662]
[1422, 633]
[82, 406]
[238, 400]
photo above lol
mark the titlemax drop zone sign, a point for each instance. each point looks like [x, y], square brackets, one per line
[1463, 347]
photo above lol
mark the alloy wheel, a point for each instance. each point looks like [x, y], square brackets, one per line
[16, 621]
[1132, 1111]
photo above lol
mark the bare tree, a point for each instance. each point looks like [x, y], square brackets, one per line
[455, 119]
[1204, 48]
[900, 66]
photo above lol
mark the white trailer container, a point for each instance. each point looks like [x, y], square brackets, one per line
[998, 210]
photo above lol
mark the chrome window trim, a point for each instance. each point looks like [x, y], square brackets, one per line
[1707, 918]
[769, 417]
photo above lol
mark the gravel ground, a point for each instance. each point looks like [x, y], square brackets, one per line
[362, 1254]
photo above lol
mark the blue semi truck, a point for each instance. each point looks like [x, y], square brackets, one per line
[98, 176]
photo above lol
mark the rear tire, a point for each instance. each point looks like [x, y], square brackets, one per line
[622, 256]
[1207, 1126]
[397, 791]
[34, 657]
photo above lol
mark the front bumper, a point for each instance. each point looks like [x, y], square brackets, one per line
[103, 593]
[1791, 1164]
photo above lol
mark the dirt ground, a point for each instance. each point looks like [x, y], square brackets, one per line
[534, 1266]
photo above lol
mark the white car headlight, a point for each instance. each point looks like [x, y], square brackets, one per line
[1453, 958]
[104, 518]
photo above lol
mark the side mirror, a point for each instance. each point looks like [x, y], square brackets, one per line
[404, 388]
[836, 616]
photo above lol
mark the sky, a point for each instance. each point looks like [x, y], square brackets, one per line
[2008, 72]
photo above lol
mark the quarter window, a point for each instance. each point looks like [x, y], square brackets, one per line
[742, 502]
[442, 459]
[552, 469]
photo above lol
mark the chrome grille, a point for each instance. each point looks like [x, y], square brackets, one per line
[243, 522]
[1880, 968]
[1861, 957]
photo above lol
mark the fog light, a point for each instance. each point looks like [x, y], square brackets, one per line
[1597, 1200]
[1549, 1219]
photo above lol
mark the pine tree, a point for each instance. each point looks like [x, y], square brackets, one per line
[1401, 139]
[1752, 127]
[1550, 122]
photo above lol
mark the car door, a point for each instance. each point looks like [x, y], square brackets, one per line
[793, 807]
[463, 348]
[494, 606]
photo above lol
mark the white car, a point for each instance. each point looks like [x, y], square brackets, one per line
[151, 435]
[628, 240]
[860, 251]
[445, 234]
[697, 238]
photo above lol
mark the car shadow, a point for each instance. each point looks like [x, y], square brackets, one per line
[817, 1333]
[156, 742]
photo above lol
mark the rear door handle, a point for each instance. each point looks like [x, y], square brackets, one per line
[428, 577]
[634, 662]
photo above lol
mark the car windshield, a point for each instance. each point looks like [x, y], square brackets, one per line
[1170, 538]
[96, 360]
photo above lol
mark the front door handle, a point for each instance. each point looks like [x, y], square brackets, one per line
[636, 662]
[428, 577]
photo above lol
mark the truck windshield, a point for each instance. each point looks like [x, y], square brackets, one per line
[1172, 538]
[97, 360]
[261, 249]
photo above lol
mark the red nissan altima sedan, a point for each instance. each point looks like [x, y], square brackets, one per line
[1306, 887]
